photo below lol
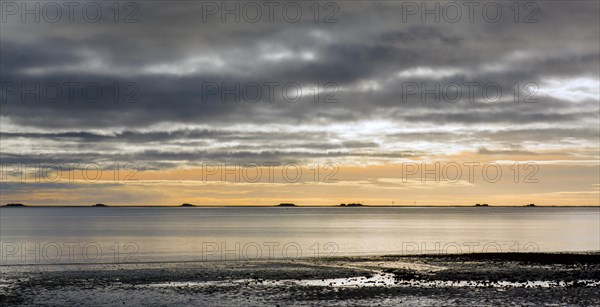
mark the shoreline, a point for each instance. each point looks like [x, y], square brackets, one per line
[549, 257]
[456, 279]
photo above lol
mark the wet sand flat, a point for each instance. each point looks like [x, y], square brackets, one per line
[472, 279]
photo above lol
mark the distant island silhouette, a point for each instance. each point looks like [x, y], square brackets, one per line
[14, 205]
[286, 205]
[19, 205]
[352, 205]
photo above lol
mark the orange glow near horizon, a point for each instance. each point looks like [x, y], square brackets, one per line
[400, 184]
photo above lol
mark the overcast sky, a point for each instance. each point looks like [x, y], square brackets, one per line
[369, 62]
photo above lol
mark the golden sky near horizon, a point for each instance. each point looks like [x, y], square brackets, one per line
[406, 184]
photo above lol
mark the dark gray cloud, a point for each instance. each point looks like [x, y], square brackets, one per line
[370, 54]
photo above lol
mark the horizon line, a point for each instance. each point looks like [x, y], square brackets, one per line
[295, 206]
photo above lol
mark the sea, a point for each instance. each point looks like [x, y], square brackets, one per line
[64, 235]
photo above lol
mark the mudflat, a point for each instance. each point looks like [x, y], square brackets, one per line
[465, 279]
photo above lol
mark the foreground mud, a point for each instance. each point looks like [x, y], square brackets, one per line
[476, 279]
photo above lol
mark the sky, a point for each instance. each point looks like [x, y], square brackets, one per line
[229, 103]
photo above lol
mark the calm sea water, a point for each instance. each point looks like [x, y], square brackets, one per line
[90, 235]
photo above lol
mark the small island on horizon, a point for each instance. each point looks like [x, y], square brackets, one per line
[99, 205]
[352, 205]
[286, 205]
[14, 205]
[186, 205]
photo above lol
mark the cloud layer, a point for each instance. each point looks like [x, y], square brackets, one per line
[391, 86]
